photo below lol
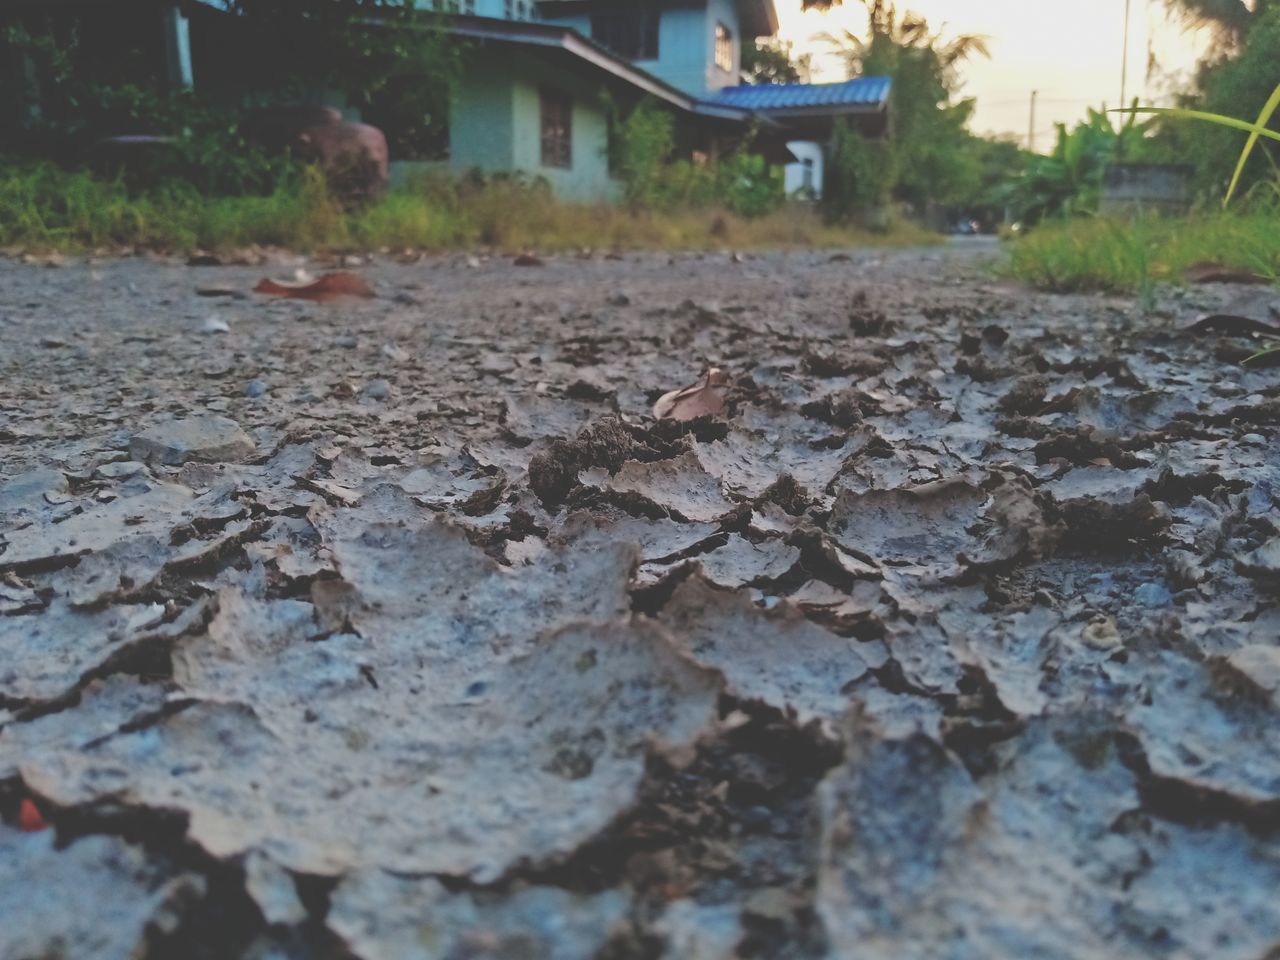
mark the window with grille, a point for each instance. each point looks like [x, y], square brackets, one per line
[724, 48]
[557, 129]
[518, 10]
[631, 34]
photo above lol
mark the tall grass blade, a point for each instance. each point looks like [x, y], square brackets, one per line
[1255, 130]
[1202, 115]
[1264, 118]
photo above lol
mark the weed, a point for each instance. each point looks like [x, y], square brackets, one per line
[43, 208]
[1131, 256]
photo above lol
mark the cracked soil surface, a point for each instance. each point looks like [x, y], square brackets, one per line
[399, 628]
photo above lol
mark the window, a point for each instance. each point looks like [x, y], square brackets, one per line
[519, 10]
[724, 48]
[557, 129]
[808, 174]
[631, 34]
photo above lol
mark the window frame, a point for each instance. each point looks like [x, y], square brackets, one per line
[723, 53]
[555, 127]
[632, 34]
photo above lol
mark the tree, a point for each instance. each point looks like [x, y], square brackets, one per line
[1231, 20]
[90, 85]
[359, 48]
[1068, 181]
[930, 140]
[1235, 83]
[774, 61]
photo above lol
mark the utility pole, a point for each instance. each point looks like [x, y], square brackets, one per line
[1031, 126]
[1124, 61]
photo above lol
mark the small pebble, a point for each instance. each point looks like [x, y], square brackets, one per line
[255, 388]
[119, 469]
[215, 325]
[1153, 595]
[376, 390]
[347, 341]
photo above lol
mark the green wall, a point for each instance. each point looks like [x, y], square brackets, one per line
[496, 123]
[480, 121]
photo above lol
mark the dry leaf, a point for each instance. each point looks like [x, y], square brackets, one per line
[1209, 272]
[702, 399]
[529, 260]
[330, 286]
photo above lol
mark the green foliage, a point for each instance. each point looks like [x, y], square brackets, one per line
[43, 207]
[1232, 19]
[1256, 130]
[386, 57]
[391, 59]
[1235, 83]
[1128, 256]
[1068, 181]
[774, 61]
[860, 174]
[1240, 88]
[929, 125]
[998, 161]
[644, 147]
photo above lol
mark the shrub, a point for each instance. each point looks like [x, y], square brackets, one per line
[859, 177]
[642, 152]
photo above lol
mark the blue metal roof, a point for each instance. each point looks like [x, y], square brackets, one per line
[862, 92]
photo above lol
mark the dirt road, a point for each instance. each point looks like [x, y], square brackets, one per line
[398, 628]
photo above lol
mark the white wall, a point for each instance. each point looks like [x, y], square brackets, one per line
[795, 172]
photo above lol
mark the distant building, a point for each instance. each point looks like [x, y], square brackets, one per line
[539, 76]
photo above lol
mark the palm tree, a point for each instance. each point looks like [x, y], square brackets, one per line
[890, 37]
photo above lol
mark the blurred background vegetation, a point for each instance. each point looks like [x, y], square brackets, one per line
[215, 186]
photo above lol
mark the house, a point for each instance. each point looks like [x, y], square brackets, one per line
[542, 79]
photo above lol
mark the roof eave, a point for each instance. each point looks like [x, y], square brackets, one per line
[782, 114]
[565, 38]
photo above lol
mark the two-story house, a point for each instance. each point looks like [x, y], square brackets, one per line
[540, 79]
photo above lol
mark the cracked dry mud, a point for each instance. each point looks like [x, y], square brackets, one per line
[400, 629]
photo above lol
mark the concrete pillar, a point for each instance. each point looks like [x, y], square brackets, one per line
[177, 47]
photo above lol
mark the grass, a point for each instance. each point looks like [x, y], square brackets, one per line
[43, 208]
[1128, 256]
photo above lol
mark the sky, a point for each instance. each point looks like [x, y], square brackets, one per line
[1070, 51]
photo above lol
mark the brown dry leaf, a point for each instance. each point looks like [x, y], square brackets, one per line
[529, 260]
[329, 287]
[1207, 271]
[701, 399]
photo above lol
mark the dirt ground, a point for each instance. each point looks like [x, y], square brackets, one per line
[399, 628]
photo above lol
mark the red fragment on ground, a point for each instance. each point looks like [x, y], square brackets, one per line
[30, 820]
[331, 286]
